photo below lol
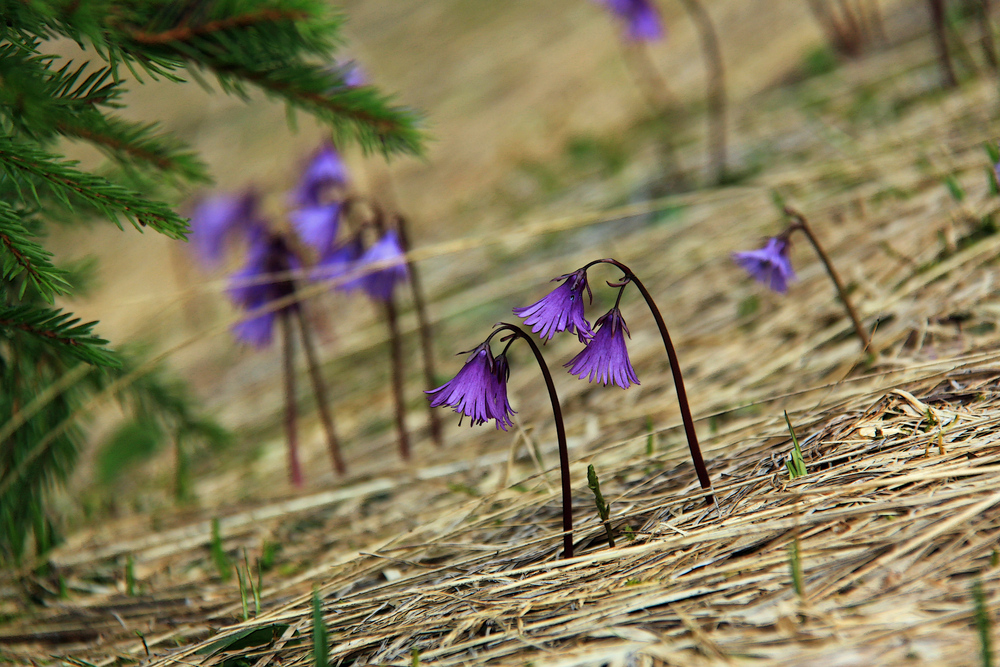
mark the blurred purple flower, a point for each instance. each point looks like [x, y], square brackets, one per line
[351, 73]
[561, 309]
[606, 358]
[379, 283]
[325, 170]
[474, 391]
[769, 265]
[338, 261]
[216, 217]
[317, 225]
[642, 19]
[253, 288]
[501, 406]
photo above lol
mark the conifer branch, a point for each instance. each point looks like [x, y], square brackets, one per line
[185, 33]
[20, 254]
[67, 183]
[56, 327]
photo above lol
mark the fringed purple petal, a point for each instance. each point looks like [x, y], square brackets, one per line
[380, 283]
[562, 309]
[473, 391]
[215, 218]
[257, 331]
[325, 170]
[501, 409]
[605, 358]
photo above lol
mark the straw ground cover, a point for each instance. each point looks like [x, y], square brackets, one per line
[455, 561]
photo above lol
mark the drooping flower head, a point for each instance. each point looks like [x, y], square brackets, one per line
[317, 225]
[606, 358]
[642, 19]
[476, 390]
[561, 309]
[216, 218]
[325, 171]
[253, 287]
[501, 406]
[769, 265]
[352, 73]
[379, 283]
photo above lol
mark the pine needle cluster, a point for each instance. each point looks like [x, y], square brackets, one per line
[52, 365]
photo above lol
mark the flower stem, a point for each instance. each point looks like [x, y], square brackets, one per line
[801, 223]
[948, 78]
[291, 435]
[675, 369]
[424, 325]
[567, 491]
[716, 89]
[396, 343]
[319, 389]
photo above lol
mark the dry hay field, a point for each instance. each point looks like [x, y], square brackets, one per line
[455, 559]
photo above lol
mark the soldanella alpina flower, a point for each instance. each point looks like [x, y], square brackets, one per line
[317, 225]
[217, 218]
[605, 358]
[325, 172]
[561, 309]
[474, 391]
[388, 256]
[642, 19]
[479, 391]
[769, 265]
[263, 280]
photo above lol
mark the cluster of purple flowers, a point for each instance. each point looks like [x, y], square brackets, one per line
[479, 390]
[273, 259]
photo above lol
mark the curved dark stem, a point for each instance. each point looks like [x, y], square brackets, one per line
[567, 491]
[801, 223]
[319, 389]
[291, 415]
[675, 369]
[424, 324]
[397, 378]
[716, 89]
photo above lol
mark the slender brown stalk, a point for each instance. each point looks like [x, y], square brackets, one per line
[715, 81]
[567, 490]
[319, 390]
[675, 369]
[291, 416]
[653, 86]
[801, 223]
[396, 343]
[948, 78]
[424, 325]
[989, 44]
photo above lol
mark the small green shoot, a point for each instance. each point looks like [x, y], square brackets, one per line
[254, 587]
[995, 557]
[633, 582]
[795, 565]
[603, 508]
[130, 576]
[629, 534]
[320, 644]
[219, 557]
[243, 593]
[414, 657]
[983, 625]
[954, 188]
[992, 151]
[650, 437]
[795, 463]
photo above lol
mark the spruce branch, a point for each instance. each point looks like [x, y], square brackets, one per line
[67, 183]
[20, 254]
[58, 328]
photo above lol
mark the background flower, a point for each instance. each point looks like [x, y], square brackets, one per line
[769, 265]
[642, 19]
